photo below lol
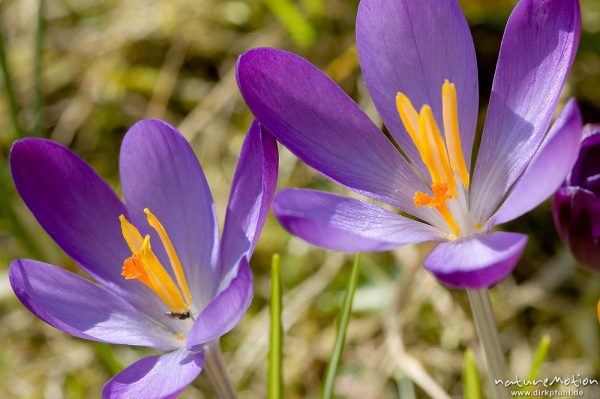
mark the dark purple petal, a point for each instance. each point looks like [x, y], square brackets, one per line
[156, 377]
[478, 261]
[412, 47]
[577, 219]
[226, 310]
[159, 171]
[252, 190]
[345, 224]
[548, 168]
[586, 171]
[537, 51]
[73, 204]
[309, 114]
[83, 309]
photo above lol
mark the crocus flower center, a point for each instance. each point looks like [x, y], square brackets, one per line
[144, 266]
[444, 160]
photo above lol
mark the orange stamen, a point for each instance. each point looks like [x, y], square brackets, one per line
[144, 266]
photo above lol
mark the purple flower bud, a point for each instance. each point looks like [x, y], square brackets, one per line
[577, 203]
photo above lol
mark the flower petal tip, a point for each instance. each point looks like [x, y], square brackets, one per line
[476, 262]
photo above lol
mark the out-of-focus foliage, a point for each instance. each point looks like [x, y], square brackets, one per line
[108, 63]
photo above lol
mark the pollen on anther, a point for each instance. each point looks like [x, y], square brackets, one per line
[133, 268]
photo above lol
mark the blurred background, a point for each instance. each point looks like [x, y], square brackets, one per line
[82, 71]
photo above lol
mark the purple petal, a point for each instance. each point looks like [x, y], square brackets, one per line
[587, 168]
[548, 168]
[477, 261]
[251, 194]
[537, 51]
[159, 171]
[83, 309]
[73, 204]
[226, 310]
[412, 47]
[156, 377]
[309, 114]
[346, 224]
[577, 219]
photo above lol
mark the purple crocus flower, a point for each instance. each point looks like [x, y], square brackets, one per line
[419, 65]
[163, 279]
[577, 203]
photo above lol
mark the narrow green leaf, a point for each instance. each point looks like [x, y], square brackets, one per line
[471, 385]
[538, 359]
[298, 26]
[9, 90]
[276, 336]
[313, 7]
[342, 326]
[107, 357]
[38, 98]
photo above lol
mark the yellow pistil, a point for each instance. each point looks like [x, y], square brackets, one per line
[144, 266]
[444, 160]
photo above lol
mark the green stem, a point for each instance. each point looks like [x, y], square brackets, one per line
[9, 89]
[489, 339]
[38, 99]
[215, 368]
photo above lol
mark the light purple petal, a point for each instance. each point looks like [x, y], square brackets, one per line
[537, 51]
[309, 114]
[159, 171]
[251, 194]
[73, 204]
[547, 169]
[477, 261]
[412, 47]
[156, 377]
[226, 310]
[83, 309]
[346, 224]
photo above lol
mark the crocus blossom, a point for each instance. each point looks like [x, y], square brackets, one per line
[163, 278]
[576, 204]
[418, 62]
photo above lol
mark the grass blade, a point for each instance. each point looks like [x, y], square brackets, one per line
[342, 326]
[290, 16]
[38, 90]
[471, 385]
[9, 90]
[540, 356]
[276, 333]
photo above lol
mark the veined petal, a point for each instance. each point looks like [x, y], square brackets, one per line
[226, 310]
[250, 197]
[477, 261]
[548, 168]
[83, 309]
[537, 51]
[309, 114]
[413, 47]
[73, 204]
[159, 171]
[80, 212]
[156, 377]
[346, 224]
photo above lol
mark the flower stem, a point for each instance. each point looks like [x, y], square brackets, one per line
[490, 341]
[215, 368]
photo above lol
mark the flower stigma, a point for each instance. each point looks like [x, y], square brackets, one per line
[144, 266]
[444, 160]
